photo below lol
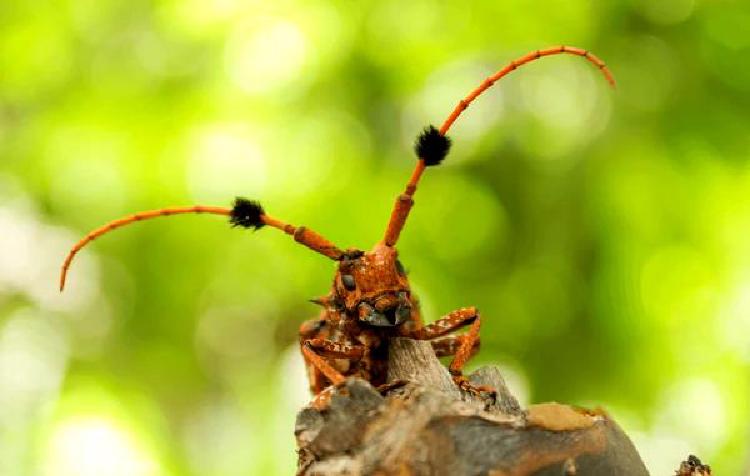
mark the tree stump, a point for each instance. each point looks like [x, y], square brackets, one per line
[429, 427]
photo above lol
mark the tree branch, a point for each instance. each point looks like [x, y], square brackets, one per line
[429, 427]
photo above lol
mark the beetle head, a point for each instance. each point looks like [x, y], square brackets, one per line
[374, 286]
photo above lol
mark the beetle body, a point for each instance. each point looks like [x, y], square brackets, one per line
[370, 301]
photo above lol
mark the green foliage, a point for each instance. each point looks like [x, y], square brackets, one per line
[602, 233]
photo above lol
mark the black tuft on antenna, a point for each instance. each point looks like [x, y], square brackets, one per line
[432, 146]
[246, 213]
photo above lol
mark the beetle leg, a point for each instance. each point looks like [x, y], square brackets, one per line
[462, 348]
[314, 328]
[446, 324]
[449, 323]
[323, 398]
[328, 348]
[465, 350]
[448, 345]
[315, 349]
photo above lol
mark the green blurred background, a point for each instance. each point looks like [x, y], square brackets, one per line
[604, 234]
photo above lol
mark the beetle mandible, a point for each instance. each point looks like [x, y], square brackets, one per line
[370, 300]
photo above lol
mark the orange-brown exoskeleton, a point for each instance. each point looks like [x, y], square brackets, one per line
[370, 300]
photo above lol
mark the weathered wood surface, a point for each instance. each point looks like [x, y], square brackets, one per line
[428, 427]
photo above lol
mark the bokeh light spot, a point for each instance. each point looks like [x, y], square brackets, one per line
[220, 440]
[263, 59]
[439, 96]
[226, 162]
[94, 446]
[33, 357]
[734, 320]
[462, 233]
[694, 408]
[567, 102]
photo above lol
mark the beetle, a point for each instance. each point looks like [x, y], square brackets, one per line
[370, 300]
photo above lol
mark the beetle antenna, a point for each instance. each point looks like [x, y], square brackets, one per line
[433, 145]
[244, 213]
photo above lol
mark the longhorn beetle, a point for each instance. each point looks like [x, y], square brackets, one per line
[370, 300]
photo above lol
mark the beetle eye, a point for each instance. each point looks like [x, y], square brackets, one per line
[348, 281]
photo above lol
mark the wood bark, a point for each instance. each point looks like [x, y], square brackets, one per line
[429, 427]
